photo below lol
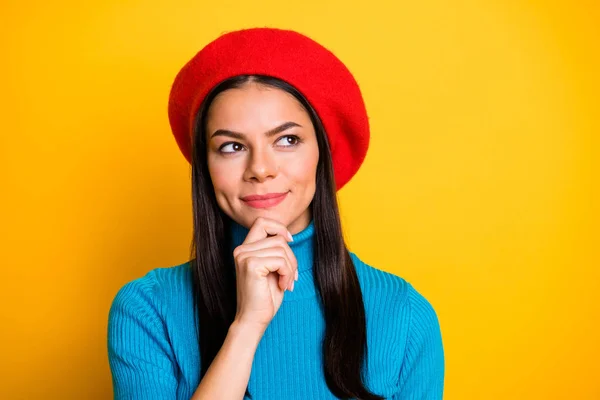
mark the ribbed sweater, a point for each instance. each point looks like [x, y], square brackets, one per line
[153, 342]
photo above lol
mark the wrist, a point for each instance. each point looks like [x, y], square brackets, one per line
[248, 330]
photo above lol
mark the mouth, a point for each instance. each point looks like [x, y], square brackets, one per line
[265, 200]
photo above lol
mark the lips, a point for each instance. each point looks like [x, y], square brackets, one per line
[264, 200]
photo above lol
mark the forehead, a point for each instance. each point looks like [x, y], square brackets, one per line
[255, 105]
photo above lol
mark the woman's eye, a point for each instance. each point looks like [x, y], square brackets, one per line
[230, 148]
[289, 140]
[284, 141]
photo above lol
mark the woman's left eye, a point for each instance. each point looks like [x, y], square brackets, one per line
[289, 140]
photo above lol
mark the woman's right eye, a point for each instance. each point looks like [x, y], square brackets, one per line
[230, 147]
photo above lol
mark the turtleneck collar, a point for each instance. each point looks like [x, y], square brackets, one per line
[302, 246]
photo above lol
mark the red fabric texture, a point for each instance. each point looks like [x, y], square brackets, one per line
[312, 69]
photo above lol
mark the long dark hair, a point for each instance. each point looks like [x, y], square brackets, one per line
[345, 342]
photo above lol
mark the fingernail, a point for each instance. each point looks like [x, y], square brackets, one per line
[291, 239]
[296, 274]
[293, 286]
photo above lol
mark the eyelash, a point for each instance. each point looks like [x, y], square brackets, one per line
[298, 141]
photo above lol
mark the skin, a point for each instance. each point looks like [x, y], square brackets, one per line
[254, 161]
[258, 163]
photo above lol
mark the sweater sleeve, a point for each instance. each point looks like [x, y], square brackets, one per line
[140, 356]
[422, 371]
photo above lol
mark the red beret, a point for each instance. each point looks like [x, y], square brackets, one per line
[292, 57]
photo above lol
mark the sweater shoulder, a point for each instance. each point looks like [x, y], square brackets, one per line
[375, 281]
[394, 304]
[155, 289]
[172, 279]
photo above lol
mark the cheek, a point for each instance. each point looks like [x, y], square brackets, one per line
[304, 173]
[223, 179]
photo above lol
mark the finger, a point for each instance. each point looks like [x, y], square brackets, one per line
[267, 252]
[265, 265]
[273, 241]
[264, 227]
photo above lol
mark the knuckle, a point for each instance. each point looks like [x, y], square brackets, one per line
[281, 261]
[237, 251]
[251, 262]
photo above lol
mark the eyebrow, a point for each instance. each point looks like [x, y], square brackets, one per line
[269, 133]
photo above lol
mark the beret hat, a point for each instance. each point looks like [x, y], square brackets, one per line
[312, 69]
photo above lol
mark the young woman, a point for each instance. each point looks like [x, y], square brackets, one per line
[271, 305]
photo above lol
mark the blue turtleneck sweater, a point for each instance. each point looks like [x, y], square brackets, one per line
[153, 344]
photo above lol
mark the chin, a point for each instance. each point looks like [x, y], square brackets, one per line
[248, 217]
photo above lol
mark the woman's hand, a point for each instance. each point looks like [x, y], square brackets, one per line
[265, 267]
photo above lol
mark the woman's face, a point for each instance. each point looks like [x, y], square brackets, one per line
[261, 141]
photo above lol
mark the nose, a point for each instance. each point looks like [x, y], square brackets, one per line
[262, 165]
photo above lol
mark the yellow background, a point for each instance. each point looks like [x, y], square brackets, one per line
[480, 187]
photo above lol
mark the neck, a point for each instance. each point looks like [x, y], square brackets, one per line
[303, 248]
